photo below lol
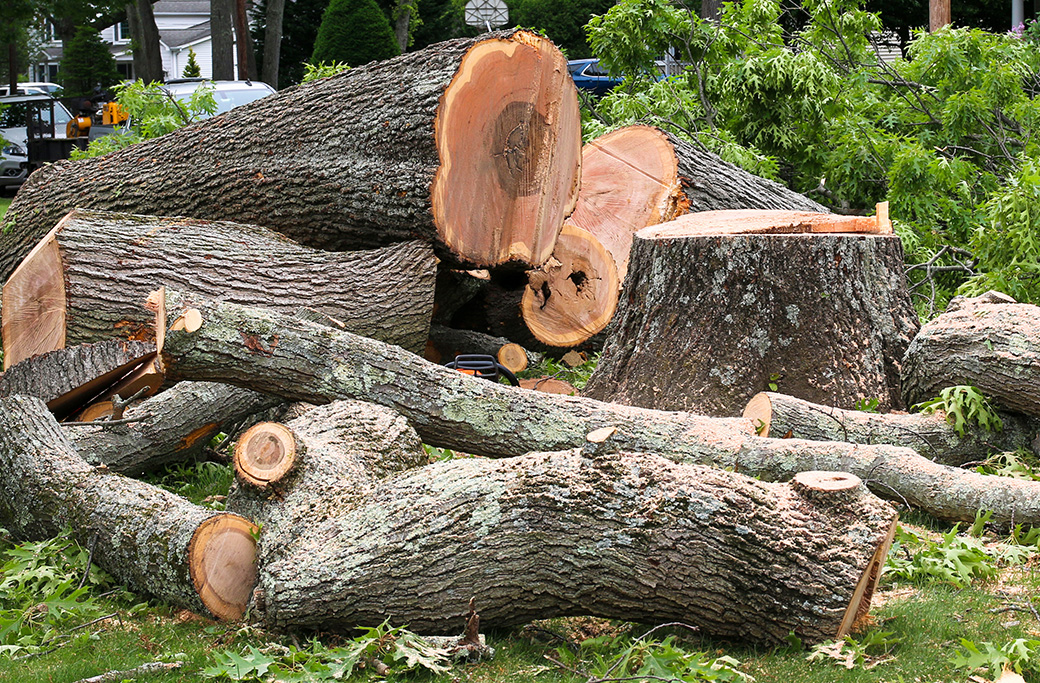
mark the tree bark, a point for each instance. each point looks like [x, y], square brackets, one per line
[147, 58]
[991, 346]
[410, 149]
[402, 20]
[88, 277]
[221, 24]
[153, 540]
[244, 44]
[640, 538]
[639, 176]
[452, 410]
[326, 461]
[930, 434]
[825, 317]
[173, 426]
[446, 343]
[273, 41]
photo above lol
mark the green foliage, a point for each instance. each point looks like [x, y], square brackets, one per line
[563, 23]
[867, 405]
[313, 72]
[876, 647]
[1020, 655]
[964, 405]
[577, 376]
[1010, 464]
[299, 30]
[203, 483]
[192, 68]
[153, 112]
[86, 63]
[355, 32]
[957, 559]
[397, 649]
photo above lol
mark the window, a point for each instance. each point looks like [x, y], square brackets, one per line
[122, 30]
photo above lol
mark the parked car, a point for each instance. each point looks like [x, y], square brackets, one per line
[48, 118]
[227, 94]
[34, 87]
[588, 75]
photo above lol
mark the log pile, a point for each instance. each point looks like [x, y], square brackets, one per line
[138, 324]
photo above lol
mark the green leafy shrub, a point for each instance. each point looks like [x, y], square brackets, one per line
[85, 63]
[957, 559]
[964, 406]
[192, 68]
[355, 32]
[1020, 655]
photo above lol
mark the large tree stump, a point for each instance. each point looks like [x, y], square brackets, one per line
[638, 176]
[711, 316]
[985, 342]
[86, 279]
[153, 540]
[472, 415]
[641, 539]
[930, 434]
[472, 143]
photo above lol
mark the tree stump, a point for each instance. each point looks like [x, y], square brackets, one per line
[87, 278]
[712, 314]
[641, 538]
[638, 176]
[473, 144]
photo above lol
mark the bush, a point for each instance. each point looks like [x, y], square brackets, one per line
[86, 63]
[355, 32]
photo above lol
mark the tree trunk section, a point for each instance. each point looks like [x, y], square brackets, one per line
[147, 58]
[826, 317]
[471, 415]
[641, 538]
[446, 343]
[273, 41]
[293, 476]
[412, 148]
[88, 277]
[173, 426]
[221, 24]
[930, 434]
[640, 175]
[991, 346]
[153, 540]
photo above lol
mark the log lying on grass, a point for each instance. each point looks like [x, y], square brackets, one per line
[992, 346]
[153, 540]
[930, 434]
[825, 316]
[440, 143]
[452, 410]
[642, 539]
[86, 279]
[639, 176]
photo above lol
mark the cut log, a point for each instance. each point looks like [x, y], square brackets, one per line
[445, 343]
[455, 289]
[174, 426]
[930, 434]
[292, 476]
[739, 558]
[107, 263]
[549, 385]
[474, 144]
[150, 539]
[452, 410]
[70, 378]
[994, 347]
[638, 176]
[709, 319]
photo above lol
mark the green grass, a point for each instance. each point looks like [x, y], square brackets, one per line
[4, 203]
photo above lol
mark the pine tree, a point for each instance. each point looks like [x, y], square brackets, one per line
[355, 32]
[192, 69]
[86, 63]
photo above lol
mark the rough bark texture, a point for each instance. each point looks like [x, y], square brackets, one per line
[705, 322]
[930, 434]
[992, 346]
[347, 162]
[173, 426]
[631, 537]
[446, 343]
[143, 533]
[639, 176]
[347, 446]
[112, 261]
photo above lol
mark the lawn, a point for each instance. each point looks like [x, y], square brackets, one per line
[4, 203]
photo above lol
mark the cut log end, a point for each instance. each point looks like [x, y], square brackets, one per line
[189, 321]
[265, 453]
[222, 562]
[34, 305]
[760, 411]
[756, 222]
[859, 605]
[826, 482]
[512, 357]
[549, 385]
[508, 134]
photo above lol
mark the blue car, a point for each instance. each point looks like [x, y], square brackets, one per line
[588, 75]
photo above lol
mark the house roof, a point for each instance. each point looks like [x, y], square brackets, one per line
[181, 7]
[178, 37]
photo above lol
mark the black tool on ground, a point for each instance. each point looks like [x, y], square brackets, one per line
[485, 367]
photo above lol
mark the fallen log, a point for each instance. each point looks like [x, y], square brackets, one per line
[470, 415]
[94, 269]
[445, 343]
[438, 143]
[991, 346]
[173, 426]
[292, 476]
[642, 539]
[150, 539]
[826, 317]
[930, 434]
[639, 176]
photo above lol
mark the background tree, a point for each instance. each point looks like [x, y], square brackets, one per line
[355, 32]
[300, 23]
[15, 16]
[563, 22]
[192, 69]
[221, 13]
[274, 15]
[86, 62]
[147, 58]
[440, 20]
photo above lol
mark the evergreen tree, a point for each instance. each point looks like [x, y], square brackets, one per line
[564, 23]
[355, 32]
[192, 69]
[299, 31]
[86, 63]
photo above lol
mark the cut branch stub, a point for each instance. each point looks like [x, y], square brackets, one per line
[574, 295]
[222, 561]
[265, 453]
[505, 133]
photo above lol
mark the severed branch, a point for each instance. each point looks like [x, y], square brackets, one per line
[118, 676]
